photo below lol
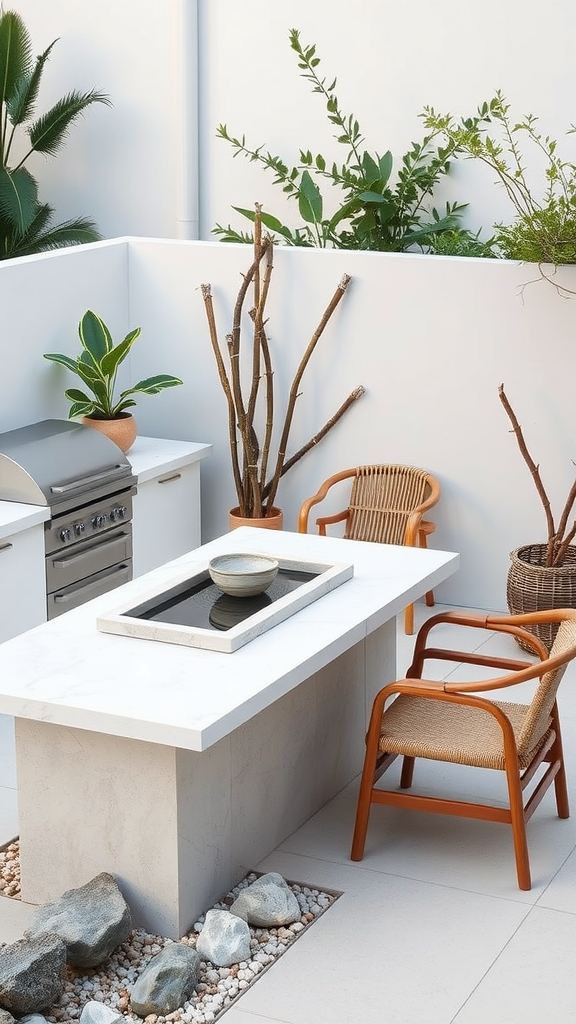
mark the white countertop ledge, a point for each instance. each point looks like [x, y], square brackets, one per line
[16, 516]
[67, 672]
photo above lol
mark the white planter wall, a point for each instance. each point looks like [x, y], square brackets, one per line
[431, 339]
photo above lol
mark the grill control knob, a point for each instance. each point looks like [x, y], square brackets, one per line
[79, 529]
[98, 521]
[119, 512]
[65, 535]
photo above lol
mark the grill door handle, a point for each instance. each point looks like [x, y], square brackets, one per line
[123, 570]
[81, 556]
[94, 478]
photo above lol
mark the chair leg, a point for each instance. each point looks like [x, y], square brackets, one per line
[364, 800]
[429, 593]
[518, 822]
[407, 773]
[560, 785]
[409, 620]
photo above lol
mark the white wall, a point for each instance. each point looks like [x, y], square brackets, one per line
[123, 166]
[126, 166]
[431, 339]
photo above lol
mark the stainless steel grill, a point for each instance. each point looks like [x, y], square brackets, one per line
[88, 483]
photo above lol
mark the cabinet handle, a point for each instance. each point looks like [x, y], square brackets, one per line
[6, 547]
[168, 479]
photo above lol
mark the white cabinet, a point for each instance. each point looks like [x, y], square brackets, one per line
[166, 520]
[22, 581]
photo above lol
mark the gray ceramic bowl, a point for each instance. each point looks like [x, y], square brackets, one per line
[242, 575]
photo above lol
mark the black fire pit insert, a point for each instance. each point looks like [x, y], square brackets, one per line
[203, 605]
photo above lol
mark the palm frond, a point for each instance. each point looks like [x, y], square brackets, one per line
[51, 129]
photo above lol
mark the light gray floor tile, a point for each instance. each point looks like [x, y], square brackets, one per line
[533, 978]
[389, 949]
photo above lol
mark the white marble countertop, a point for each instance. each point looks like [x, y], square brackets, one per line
[149, 457]
[16, 516]
[67, 672]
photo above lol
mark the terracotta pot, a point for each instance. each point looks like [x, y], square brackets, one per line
[273, 521]
[534, 587]
[122, 430]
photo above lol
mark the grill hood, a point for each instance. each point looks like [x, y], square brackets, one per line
[54, 461]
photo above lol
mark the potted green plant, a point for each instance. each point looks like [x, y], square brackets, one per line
[97, 367]
[247, 379]
[542, 576]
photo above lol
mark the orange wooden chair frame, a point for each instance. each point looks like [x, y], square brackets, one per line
[387, 505]
[452, 721]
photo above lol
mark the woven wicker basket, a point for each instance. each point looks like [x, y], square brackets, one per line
[532, 587]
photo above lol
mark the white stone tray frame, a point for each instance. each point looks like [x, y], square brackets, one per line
[117, 620]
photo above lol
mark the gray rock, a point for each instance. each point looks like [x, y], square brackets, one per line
[94, 1012]
[167, 982]
[32, 974]
[224, 939]
[6, 1017]
[32, 1018]
[92, 920]
[267, 903]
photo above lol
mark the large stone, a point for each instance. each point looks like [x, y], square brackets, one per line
[32, 974]
[267, 903]
[6, 1017]
[92, 920]
[167, 982]
[224, 939]
[94, 1012]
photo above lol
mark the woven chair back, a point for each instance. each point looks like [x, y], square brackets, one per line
[537, 719]
[381, 501]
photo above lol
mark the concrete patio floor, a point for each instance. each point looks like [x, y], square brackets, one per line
[431, 927]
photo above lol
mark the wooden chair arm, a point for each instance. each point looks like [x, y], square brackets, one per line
[319, 496]
[325, 521]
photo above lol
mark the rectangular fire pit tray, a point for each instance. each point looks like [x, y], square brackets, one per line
[190, 609]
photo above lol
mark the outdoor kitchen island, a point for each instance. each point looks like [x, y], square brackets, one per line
[178, 769]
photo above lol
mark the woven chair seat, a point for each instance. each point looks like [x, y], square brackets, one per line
[441, 731]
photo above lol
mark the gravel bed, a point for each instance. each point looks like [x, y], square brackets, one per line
[218, 987]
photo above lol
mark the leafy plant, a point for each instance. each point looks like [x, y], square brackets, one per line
[25, 222]
[544, 228]
[97, 367]
[459, 242]
[256, 484]
[559, 537]
[373, 212]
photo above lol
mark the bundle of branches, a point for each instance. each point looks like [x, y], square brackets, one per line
[559, 539]
[257, 472]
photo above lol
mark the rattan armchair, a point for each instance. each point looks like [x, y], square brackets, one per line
[456, 722]
[387, 505]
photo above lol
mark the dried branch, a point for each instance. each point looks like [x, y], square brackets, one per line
[557, 544]
[357, 393]
[207, 296]
[255, 494]
[336, 298]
